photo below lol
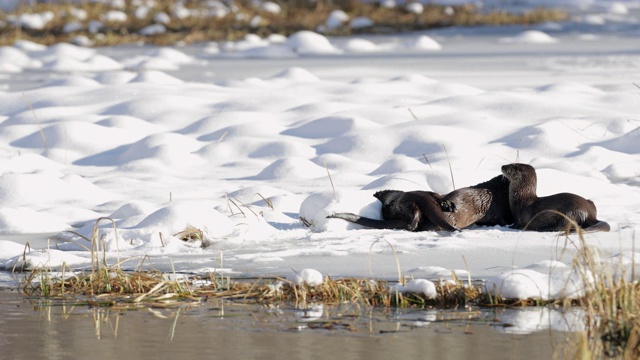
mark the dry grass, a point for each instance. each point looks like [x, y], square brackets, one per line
[296, 15]
[612, 304]
[124, 288]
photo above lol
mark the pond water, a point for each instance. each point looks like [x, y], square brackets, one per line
[46, 329]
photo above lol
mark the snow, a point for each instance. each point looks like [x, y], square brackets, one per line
[94, 26]
[618, 8]
[114, 16]
[532, 284]
[417, 286]
[310, 43]
[79, 14]
[242, 139]
[270, 7]
[310, 277]
[530, 36]
[336, 19]
[151, 30]
[423, 43]
[37, 21]
[161, 18]
[415, 8]
[361, 22]
[71, 27]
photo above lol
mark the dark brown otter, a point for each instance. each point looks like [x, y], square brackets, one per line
[486, 203]
[548, 213]
[412, 210]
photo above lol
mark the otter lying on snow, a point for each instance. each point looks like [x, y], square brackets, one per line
[546, 213]
[413, 210]
[503, 200]
[486, 203]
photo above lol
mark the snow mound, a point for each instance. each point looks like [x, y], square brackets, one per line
[531, 284]
[398, 164]
[168, 148]
[310, 43]
[309, 277]
[359, 45]
[530, 37]
[178, 217]
[13, 59]
[35, 21]
[417, 286]
[18, 190]
[336, 19]
[50, 259]
[423, 43]
[330, 127]
[155, 77]
[25, 220]
[628, 143]
[296, 74]
[292, 168]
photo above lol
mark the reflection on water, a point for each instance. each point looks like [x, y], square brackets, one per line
[529, 320]
[37, 328]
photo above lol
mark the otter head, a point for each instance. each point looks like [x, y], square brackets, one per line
[388, 196]
[518, 171]
[522, 178]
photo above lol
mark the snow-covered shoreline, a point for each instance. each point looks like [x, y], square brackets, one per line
[160, 139]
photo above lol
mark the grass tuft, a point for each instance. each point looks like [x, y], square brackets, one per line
[190, 234]
[612, 304]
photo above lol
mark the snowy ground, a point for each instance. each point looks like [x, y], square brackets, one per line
[160, 139]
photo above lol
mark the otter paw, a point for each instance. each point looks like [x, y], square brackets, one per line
[447, 206]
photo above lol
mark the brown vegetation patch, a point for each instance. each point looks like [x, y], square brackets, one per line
[244, 18]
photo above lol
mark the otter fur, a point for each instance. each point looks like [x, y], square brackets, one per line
[549, 213]
[486, 203]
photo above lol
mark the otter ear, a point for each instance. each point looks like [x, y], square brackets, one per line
[417, 216]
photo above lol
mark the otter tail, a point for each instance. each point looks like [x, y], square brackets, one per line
[431, 208]
[599, 226]
[371, 223]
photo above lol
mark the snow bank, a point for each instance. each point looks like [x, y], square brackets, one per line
[241, 140]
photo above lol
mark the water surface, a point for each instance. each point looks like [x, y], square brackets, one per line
[44, 329]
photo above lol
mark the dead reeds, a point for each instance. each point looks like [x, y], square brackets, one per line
[116, 286]
[611, 303]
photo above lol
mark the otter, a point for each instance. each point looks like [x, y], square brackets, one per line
[548, 213]
[412, 210]
[486, 203]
